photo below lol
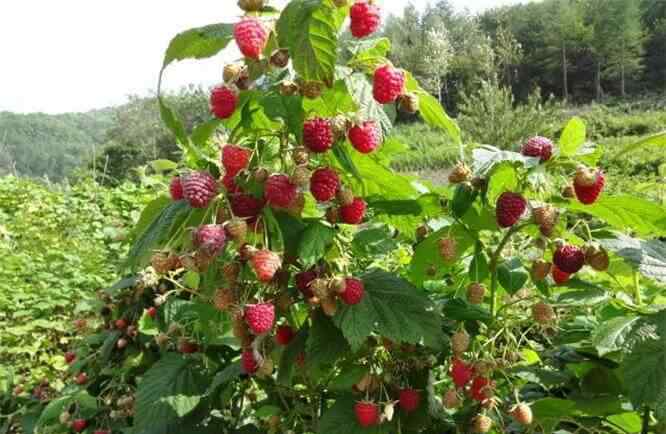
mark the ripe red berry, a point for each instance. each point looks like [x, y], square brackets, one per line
[588, 187]
[260, 317]
[324, 184]
[354, 291]
[176, 189]
[388, 84]
[538, 147]
[209, 239]
[186, 346]
[235, 159]
[152, 311]
[246, 206]
[367, 413]
[569, 258]
[229, 182]
[120, 324]
[266, 264]
[461, 373]
[79, 425]
[279, 191]
[251, 36]
[353, 213]
[481, 389]
[365, 19]
[559, 276]
[365, 137]
[409, 399]
[318, 135]
[303, 281]
[510, 208]
[199, 189]
[81, 379]
[70, 356]
[248, 362]
[284, 335]
[223, 102]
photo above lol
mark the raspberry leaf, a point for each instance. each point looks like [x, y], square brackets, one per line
[325, 343]
[648, 257]
[315, 242]
[573, 137]
[612, 335]
[198, 43]
[504, 177]
[393, 308]
[426, 255]
[485, 157]
[361, 91]
[512, 275]
[296, 347]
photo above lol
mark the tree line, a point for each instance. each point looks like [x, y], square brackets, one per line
[578, 50]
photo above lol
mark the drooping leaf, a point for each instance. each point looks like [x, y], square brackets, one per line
[512, 275]
[644, 371]
[325, 342]
[657, 140]
[309, 29]
[463, 199]
[198, 43]
[170, 390]
[225, 376]
[315, 242]
[459, 310]
[626, 212]
[612, 335]
[369, 54]
[648, 257]
[478, 267]
[573, 137]
[393, 308]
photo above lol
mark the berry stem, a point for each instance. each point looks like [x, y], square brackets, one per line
[493, 269]
[637, 289]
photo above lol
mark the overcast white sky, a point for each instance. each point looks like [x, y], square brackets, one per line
[77, 55]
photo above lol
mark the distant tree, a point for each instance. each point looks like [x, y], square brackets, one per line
[627, 57]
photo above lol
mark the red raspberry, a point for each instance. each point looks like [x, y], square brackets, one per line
[367, 413]
[209, 239]
[365, 137]
[354, 291]
[284, 335]
[251, 36]
[481, 389]
[559, 276]
[199, 189]
[365, 19]
[588, 194]
[388, 84]
[248, 363]
[324, 184]
[186, 346]
[538, 147]
[510, 208]
[176, 188]
[303, 281]
[353, 213]
[152, 311]
[409, 399]
[260, 317]
[266, 264]
[235, 159]
[279, 191]
[79, 425]
[81, 379]
[318, 135]
[461, 373]
[120, 324]
[569, 258]
[223, 102]
[229, 182]
[70, 356]
[246, 206]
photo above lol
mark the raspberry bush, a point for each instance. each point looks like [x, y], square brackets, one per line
[288, 281]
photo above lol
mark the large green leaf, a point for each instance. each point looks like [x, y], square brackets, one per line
[485, 157]
[309, 29]
[612, 335]
[573, 137]
[512, 275]
[317, 239]
[287, 108]
[369, 54]
[340, 419]
[393, 308]
[325, 343]
[198, 43]
[648, 257]
[504, 178]
[644, 371]
[171, 389]
[626, 212]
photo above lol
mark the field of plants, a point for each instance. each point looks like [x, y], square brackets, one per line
[334, 254]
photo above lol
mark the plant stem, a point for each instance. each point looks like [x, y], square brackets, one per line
[637, 289]
[646, 421]
[493, 269]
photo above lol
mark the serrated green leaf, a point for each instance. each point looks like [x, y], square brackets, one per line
[368, 108]
[573, 137]
[287, 365]
[612, 335]
[160, 166]
[504, 177]
[198, 43]
[512, 275]
[315, 242]
[369, 54]
[648, 257]
[657, 140]
[348, 378]
[341, 152]
[287, 108]
[325, 344]
[309, 29]
[393, 308]
[626, 212]
[426, 254]
[486, 157]
[225, 376]
[478, 267]
[171, 389]
[463, 199]
[459, 310]
[644, 372]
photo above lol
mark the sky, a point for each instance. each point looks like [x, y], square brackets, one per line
[78, 55]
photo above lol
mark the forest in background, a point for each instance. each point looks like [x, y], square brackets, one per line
[518, 66]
